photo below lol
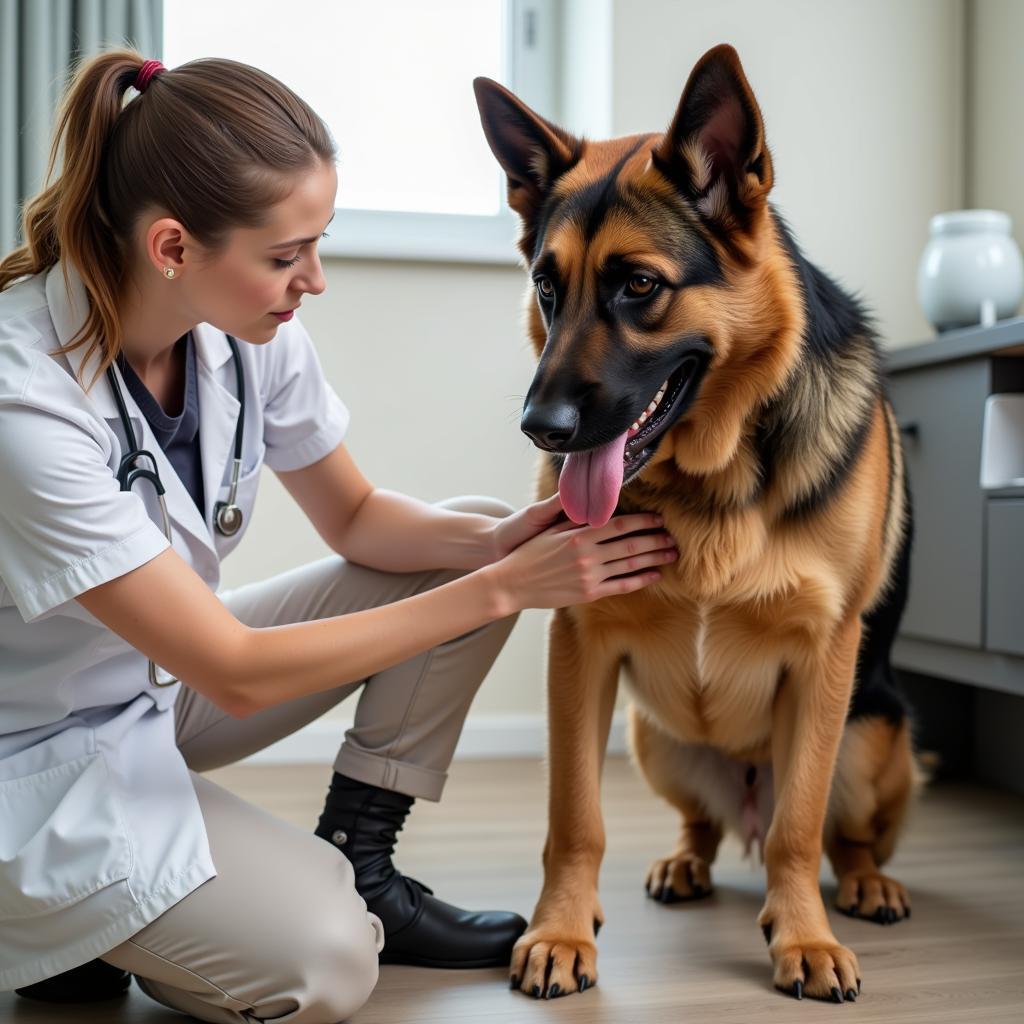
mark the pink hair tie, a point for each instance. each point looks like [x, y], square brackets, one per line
[149, 70]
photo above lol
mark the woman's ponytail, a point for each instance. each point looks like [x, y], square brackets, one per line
[65, 221]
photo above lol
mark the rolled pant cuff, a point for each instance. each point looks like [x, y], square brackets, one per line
[410, 779]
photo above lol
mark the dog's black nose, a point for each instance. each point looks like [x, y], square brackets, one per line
[550, 425]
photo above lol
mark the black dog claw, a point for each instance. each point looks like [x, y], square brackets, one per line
[597, 927]
[584, 983]
[837, 996]
[766, 931]
[514, 981]
[554, 990]
[851, 995]
[798, 989]
[535, 992]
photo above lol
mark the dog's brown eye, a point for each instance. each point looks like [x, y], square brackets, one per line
[545, 287]
[641, 285]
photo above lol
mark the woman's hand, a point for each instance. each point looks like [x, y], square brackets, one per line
[568, 564]
[519, 527]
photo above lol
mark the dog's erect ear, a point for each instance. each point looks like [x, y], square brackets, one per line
[532, 151]
[714, 150]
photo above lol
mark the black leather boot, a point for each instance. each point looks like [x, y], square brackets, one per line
[89, 983]
[362, 821]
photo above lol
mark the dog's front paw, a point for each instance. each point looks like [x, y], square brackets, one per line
[679, 877]
[873, 896]
[550, 961]
[818, 966]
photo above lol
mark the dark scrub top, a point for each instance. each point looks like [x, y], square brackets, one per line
[178, 436]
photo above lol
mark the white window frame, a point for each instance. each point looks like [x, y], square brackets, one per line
[532, 60]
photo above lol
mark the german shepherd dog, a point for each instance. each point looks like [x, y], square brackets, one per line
[693, 363]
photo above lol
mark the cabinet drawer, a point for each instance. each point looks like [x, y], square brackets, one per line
[1004, 578]
[940, 409]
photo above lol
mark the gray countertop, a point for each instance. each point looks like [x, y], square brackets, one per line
[963, 343]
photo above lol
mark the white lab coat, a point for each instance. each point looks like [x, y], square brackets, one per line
[100, 830]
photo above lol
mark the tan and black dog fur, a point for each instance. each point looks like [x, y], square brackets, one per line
[776, 463]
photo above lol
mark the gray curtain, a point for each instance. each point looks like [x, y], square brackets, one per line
[39, 42]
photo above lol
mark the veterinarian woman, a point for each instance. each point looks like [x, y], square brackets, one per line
[152, 308]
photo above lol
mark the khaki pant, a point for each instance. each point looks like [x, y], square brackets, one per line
[281, 932]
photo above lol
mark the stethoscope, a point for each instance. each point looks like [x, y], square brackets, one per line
[227, 516]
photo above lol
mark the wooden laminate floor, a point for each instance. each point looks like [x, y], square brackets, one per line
[960, 958]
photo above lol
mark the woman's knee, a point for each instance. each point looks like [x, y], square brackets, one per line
[479, 504]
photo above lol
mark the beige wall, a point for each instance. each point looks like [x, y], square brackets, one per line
[862, 107]
[862, 110]
[995, 100]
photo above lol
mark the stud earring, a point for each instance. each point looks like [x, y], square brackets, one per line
[168, 272]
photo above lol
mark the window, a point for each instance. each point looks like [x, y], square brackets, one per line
[393, 81]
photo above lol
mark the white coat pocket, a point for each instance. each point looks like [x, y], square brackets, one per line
[62, 837]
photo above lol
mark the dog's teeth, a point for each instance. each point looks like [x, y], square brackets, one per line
[645, 415]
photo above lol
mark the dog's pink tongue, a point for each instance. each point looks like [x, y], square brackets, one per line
[590, 482]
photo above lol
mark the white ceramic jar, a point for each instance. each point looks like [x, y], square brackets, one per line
[971, 270]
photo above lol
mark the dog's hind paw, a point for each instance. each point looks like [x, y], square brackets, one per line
[678, 878]
[873, 897]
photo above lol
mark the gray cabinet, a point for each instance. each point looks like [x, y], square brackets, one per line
[965, 610]
[1004, 591]
[939, 410]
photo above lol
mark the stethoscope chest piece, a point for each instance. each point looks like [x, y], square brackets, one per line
[228, 518]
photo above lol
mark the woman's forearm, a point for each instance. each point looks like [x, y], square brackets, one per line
[399, 533]
[278, 663]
